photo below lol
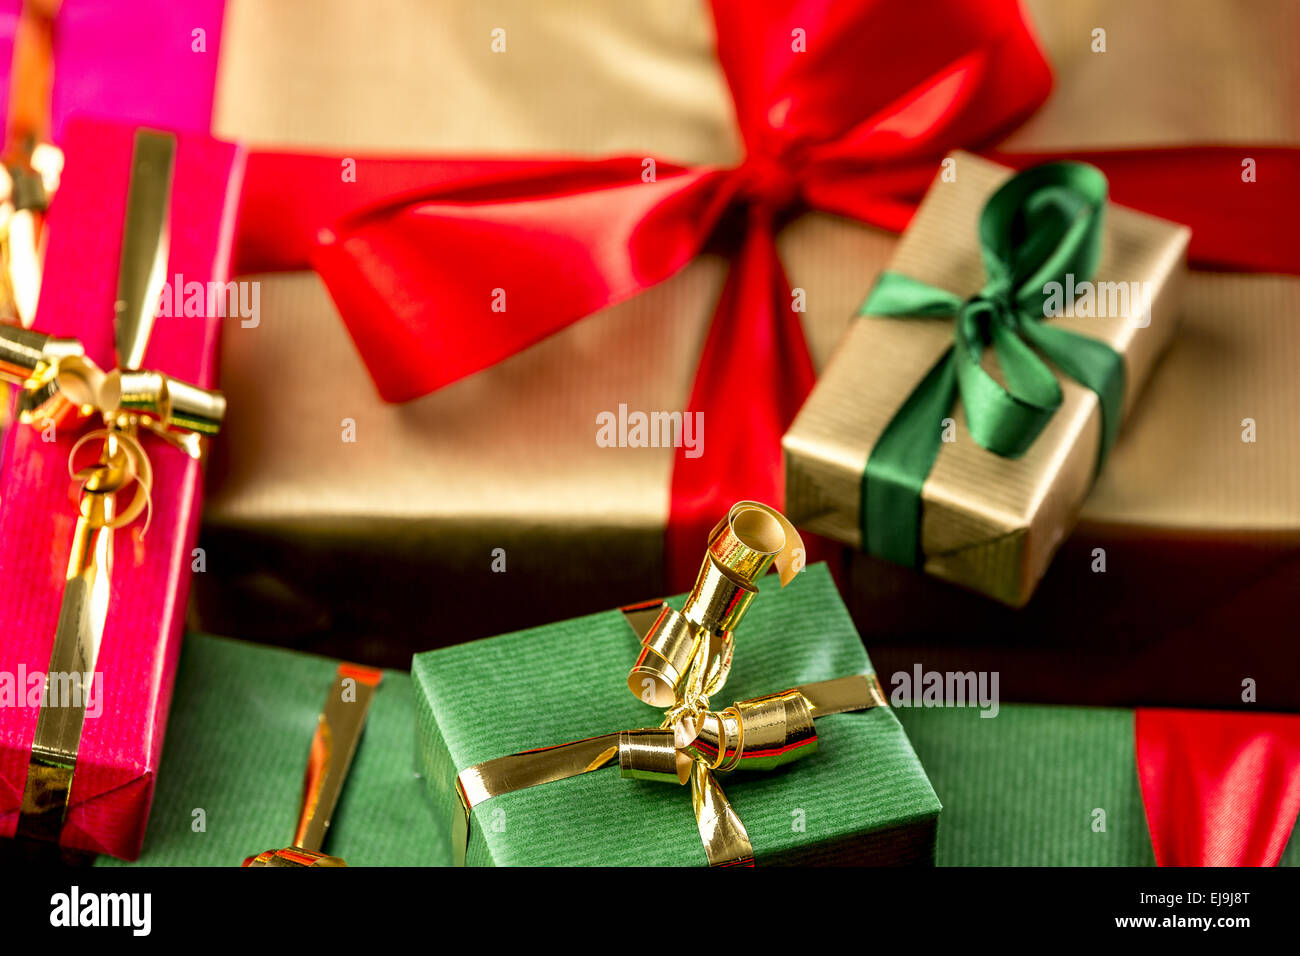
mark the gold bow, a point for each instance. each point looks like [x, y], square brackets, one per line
[685, 658]
[60, 385]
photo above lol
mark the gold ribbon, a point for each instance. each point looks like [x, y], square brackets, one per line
[59, 386]
[333, 745]
[684, 660]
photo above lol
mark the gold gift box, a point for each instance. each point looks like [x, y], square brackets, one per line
[487, 506]
[353, 550]
[987, 522]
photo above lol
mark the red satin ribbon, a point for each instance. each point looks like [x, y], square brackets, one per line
[416, 253]
[855, 125]
[1237, 225]
[1220, 788]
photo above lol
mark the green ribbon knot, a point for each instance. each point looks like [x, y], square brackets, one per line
[1043, 224]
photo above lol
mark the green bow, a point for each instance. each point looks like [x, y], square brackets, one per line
[1042, 225]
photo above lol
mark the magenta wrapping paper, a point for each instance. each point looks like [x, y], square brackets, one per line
[129, 60]
[114, 780]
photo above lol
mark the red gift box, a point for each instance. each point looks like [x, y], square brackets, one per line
[122, 737]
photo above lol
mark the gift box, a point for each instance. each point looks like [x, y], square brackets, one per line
[237, 748]
[988, 508]
[171, 52]
[861, 797]
[371, 544]
[1092, 786]
[133, 603]
[433, 502]
[1197, 527]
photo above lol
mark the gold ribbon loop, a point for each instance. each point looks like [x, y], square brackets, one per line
[758, 734]
[24, 353]
[754, 537]
[652, 754]
[667, 652]
[32, 361]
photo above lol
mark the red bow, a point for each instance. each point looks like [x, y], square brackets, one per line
[854, 123]
[844, 107]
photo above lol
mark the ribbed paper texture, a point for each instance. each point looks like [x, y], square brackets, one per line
[1023, 788]
[111, 789]
[241, 726]
[1174, 72]
[331, 562]
[988, 522]
[862, 795]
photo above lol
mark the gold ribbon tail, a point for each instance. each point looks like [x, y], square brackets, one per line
[726, 842]
[69, 681]
[531, 768]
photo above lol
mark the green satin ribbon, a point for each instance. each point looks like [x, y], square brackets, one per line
[1042, 225]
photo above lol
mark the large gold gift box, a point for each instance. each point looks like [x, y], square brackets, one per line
[987, 522]
[373, 549]
[487, 506]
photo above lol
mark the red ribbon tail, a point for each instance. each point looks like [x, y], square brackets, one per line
[1220, 789]
[1240, 201]
[754, 373]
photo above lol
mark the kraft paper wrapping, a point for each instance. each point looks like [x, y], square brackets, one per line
[1200, 531]
[304, 544]
[987, 522]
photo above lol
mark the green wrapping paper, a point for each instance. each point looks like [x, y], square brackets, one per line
[1021, 789]
[861, 798]
[242, 719]
[1017, 790]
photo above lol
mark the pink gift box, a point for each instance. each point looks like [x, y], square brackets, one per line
[133, 61]
[114, 780]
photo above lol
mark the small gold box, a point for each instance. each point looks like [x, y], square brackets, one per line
[988, 523]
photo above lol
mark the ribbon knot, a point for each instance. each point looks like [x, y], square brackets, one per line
[1041, 228]
[419, 248]
[767, 183]
[60, 386]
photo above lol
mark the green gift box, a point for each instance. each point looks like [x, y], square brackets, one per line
[237, 745]
[1025, 788]
[862, 797]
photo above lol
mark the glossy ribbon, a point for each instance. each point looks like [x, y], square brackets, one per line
[1043, 225]
[1219, 789]
[61, 385]
[685, 659]
[851, 122]
[333, 745]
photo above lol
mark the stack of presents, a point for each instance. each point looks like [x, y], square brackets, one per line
[379, 375]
